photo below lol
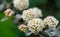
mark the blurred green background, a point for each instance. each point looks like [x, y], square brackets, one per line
[48, 7]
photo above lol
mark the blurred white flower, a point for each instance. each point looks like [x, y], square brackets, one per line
[4, 19]
[2, 5]
[15, 21]
[51, 21]
[9, 12]
[21, 4]
[31, 13]
[17, 16]
[23, 27]
[57, 31]
[51, 32]
[35, 25]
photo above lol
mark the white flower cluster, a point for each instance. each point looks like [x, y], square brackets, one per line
[21, 4]
[35, 25]
[9, 12]
[30, 19]
[51, 21]
[31, 13]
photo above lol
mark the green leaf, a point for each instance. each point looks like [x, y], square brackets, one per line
[8, 29]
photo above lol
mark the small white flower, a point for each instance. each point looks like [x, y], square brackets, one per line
[9, 12]
[51, 21]
[35, 25]
[21, 4]
[23, 27]
[31, 13]
[2, 5]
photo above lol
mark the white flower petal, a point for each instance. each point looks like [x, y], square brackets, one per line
[31, 13]
[35, 24]
[51, 21]
[21, 4]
